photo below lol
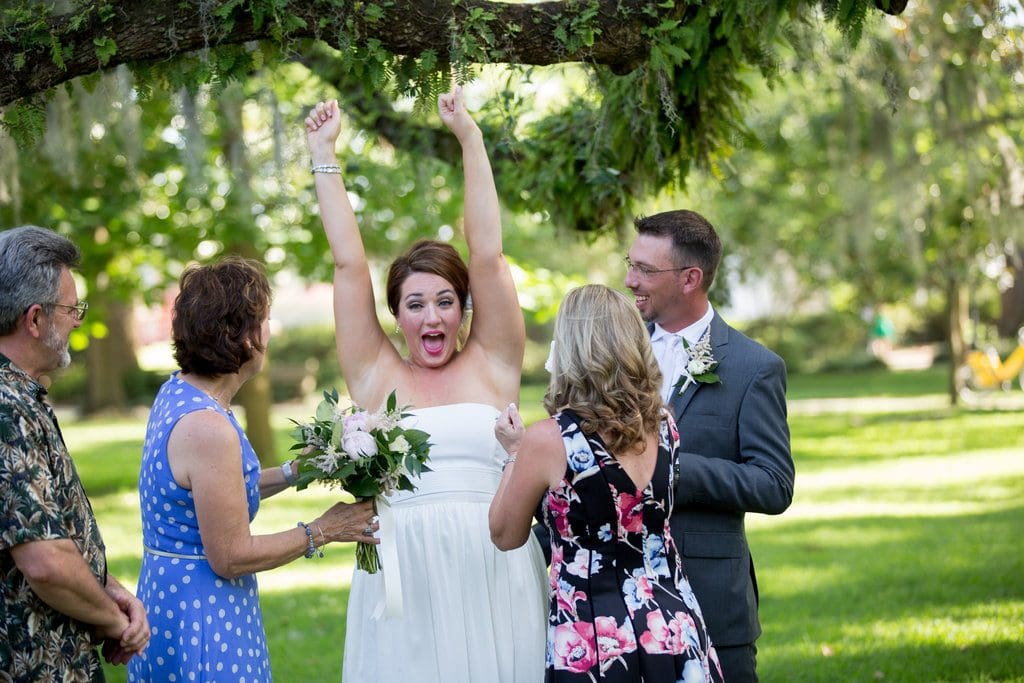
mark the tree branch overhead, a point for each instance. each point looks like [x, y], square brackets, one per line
[142, 30]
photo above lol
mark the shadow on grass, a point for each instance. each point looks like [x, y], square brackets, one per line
[916, 599]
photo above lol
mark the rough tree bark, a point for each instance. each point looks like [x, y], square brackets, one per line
[145, 30]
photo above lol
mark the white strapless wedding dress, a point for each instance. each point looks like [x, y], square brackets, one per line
[470, 612]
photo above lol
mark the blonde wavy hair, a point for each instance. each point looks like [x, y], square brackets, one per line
[604, 368]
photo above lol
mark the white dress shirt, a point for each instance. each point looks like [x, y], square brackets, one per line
[670, 353]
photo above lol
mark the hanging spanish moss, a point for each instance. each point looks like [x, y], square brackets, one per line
[193, 152]
[10, 186]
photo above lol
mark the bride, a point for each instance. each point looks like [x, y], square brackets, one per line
[469, 612]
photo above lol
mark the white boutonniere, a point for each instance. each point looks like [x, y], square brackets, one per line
[701, 367]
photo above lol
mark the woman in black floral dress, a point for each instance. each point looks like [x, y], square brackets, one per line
[621, 608]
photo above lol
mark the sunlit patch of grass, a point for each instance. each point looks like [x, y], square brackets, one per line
[826, 441]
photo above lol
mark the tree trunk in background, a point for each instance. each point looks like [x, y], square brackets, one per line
[1011, 318]
[957, 304]
[255, 397]
[109, 360]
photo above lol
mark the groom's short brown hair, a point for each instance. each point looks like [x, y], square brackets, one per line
[694, 240]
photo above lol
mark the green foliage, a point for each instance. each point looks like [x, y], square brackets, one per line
[69, 387]
[812, 343]
[577, 29]
[25, 121]
[303, 359]
[683, 103]
[105, 49]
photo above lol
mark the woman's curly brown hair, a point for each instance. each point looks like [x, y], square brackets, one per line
[218, 315]
[604, 368]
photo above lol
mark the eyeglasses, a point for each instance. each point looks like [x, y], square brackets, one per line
[644, 271]
[79, 309]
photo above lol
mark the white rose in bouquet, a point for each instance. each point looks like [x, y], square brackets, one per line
[359, 445]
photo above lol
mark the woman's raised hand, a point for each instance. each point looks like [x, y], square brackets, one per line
[322, 128]
[453, 113]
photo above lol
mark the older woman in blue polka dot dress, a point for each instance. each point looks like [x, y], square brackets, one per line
[200, 486]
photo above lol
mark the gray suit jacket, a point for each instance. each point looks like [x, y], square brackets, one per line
[734, 458]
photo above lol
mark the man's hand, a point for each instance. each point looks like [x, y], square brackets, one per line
[134, 638]
[114, 653]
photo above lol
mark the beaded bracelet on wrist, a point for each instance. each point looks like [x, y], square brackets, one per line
[310, 546]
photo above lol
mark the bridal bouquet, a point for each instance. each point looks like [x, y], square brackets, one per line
[366, 454]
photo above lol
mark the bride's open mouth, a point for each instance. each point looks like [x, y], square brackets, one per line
[433, 343]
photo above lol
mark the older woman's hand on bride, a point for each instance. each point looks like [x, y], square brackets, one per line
[347, 522]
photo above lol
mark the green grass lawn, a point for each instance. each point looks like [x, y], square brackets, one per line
[900, 559]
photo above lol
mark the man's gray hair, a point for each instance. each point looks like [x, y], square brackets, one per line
[31, 259]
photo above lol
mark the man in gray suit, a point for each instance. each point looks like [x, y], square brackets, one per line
[728, 396]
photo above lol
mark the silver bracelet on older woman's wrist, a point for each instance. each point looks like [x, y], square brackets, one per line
[289, 472]
[507, 461]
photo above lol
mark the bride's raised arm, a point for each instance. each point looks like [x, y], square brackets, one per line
[498, 325]
[360, 340]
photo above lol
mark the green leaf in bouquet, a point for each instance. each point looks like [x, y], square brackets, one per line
[307, 475]
[392, 402]
[413, 464]
[345, 471]
[362, 487]
[325, 411]
[416, 437]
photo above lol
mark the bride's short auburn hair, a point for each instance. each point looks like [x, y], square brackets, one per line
[604, 368]
[428, 256]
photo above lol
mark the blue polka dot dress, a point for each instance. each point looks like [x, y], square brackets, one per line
[205, 627]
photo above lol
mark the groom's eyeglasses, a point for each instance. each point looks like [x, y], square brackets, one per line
[78, 310]
[644, 271]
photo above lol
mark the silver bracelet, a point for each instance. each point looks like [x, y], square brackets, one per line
[289, 473]
[326, 168]
[508, 461]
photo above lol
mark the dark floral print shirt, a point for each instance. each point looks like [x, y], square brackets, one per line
[41, 498]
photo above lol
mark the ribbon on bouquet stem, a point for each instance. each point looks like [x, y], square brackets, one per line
[390, 604]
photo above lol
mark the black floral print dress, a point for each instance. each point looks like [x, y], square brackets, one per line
[621, 607]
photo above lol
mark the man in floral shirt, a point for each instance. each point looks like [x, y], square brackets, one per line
[57, 602]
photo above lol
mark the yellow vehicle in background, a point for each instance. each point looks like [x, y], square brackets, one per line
[983, 370]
